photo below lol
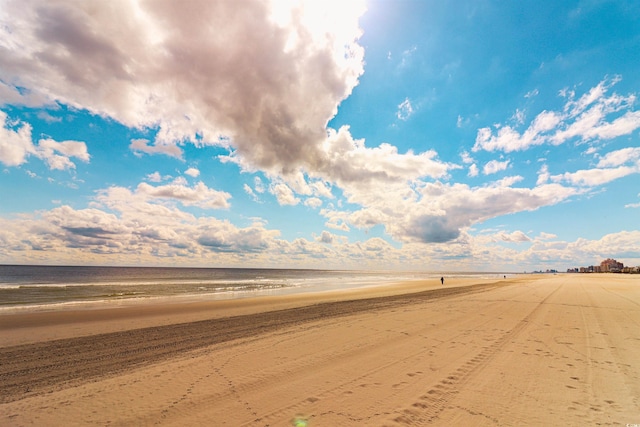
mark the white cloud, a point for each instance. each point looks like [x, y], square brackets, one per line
[15, 141]
[516, 236]
[351, 163]
[199, 195]
[473, 170]
[325, 237]
[546, 236]
[502, 236]
[595, 177]
[44, 115]
[508, 139]
[137, 233]
[462, 122]
[321, 189]
[620, 245]
[11, 95]
[436, 212]
[620, 157]
[507, 181]
[154, 177]
[57, 154]
[405, 110]
[466, 157]
[518, 117]
[16, 145]
[609, 168]
[297, 181]
[139, 146]
[595, 115]
[543, 175]
[142, 232]
[495, 166]
[180, 181]
[284, 194]
[313, 202]
[258, 185]
[546, 252]
[250, 192]
[192, 172]
[336, 220]
[257, 189]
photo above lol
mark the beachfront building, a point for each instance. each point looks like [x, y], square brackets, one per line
[610, 265]
[590, 269]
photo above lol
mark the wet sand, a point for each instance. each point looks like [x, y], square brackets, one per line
[534, 350]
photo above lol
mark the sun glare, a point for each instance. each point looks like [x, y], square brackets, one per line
[327, 21]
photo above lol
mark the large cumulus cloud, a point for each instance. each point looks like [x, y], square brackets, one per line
[250, 73]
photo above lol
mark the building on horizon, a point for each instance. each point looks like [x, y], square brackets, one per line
[610, 265]
[590, 269]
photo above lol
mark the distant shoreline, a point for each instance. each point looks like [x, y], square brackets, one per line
[37, 288]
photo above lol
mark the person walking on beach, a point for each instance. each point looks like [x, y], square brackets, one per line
[442, 280]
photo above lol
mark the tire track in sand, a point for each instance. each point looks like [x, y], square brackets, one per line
[429, 405]
[33, 369]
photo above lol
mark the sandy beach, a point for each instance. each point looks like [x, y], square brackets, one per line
[531, 350]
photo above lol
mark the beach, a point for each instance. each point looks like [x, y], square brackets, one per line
[526, 350]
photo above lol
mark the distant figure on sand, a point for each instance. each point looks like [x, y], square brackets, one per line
[442, 280]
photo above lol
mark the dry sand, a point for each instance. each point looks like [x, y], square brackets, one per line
[536, 350]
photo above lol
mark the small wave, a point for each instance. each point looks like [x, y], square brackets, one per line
[125, 294]
[37, 286]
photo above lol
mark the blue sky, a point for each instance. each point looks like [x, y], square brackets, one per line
[413, 135]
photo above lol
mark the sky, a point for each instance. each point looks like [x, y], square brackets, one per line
[435, 135]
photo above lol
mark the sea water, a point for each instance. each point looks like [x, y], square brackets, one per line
[48, 286]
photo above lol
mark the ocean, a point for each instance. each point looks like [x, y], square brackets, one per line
[24, 287]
